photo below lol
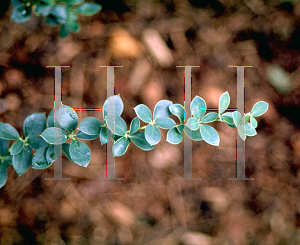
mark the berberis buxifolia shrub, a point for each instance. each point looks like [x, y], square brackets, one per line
[41, 135]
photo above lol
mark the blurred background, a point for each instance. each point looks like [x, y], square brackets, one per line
[149, 38]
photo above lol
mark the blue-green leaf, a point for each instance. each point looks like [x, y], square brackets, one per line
[134, 125]
[152, 134]
[113, 106]
[227, 117]
[120, 146]
[194, 135]
[192, 123]
[36, 142]
[54, 136]
[50, 120]
[22, 161]
[16, 3]
[140, 141]
[73, 25]
[116, 125]
[105, 135]
[198, 107]
[173, 136]
[3, 175]
[237, 118]
[246, 118]
[71, 2]
[51, 20]
[259, 108]
[8, 132]
[39, 160]
[180, 128]
[80, 153]
[21, 14]
[144, 113]
[69, 118]
[87, 9]
[4, 144]
[34, 124]
[209, 134]
[64, 31]
[165, 123]
[59, 13]
[43, 9]
[241, 131]
[249, 130]
[178, 110]
[84, 136]
[66, 149]
[224, 102]
[253, 122]
[17, 147]
[90, 125]
[161, 109]
[210, 117]
[51, 155]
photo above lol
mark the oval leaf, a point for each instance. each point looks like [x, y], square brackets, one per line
[120, 146]
[180, 128]
[116, 125]
[81, 135]
[144, 113]
[193, 134]
[43, 9]
[68, 118]
[4, 144]
[165, 123]
[152, 134]
[178, 110]
[21, 14]
[113, 106]
[161, 109]
[209, 134]
[253, 122]
[80, 153]
[192, 123]
[173, 136]
[237, 118]
[54, 136]
[87, 9]
[39, 160]
[22, 161]
[36, 142]
[17, 147]
[66, 149]
[259, 108]
[51, 122]
[198, 107]
[140, 141]
[105, 135]
[241, 131]
[34, 124]
[249, 130]
[134, 125]
[90, 125]
[8, 132]
[52, 153]
[209, 117]
[227, 118]
[224, 102]
[3, 175]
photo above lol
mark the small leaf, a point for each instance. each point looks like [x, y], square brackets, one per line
[54, 136]
[84, 136]
[69, 118]
[66, 149]
[105, 135]
[209, 134]
[3, 175]
[71, 2]
[80, 153]
[210, 117]
[192, 123]
[237, 118]
[116, 125]
[17, 147]
[8, 132]
[120, 146]
[224, 102]
[16, 3]
[253, 122]
[227, 117]
[173, 136]
[180, 128]
[39, 160]
[116, 137]
[165, 123]
[59, 13]
[241, 131]
[249, 130]
[4, 144]
[198, 107]
[51, 154]
[152, 134]
[64, 31]
[178, 110]
[51, 20]
[43, 9]
[36, 142]
[22, 161]
[34, 124]
[113, 106]
[87, 9]
[161, 109]
[140, 141]
[144, 113]
[259, 108]
[73, 25]
[134, 125]
[194, 135]
[246, 118]
[90, 125]
[21, 14]
[51, 122]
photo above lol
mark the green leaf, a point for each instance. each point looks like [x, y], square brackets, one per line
[165, 122]
[69, 118]
[178, 110]
[36, 142]
[90, 125]
[246, 118]
[59, 13]
[180, 128]
[51, 20]
[134, 125]
[8, 132]
[43, 9]
[253, 122]
[116, 137]
[259, 108]
[241, 131]
[173, 136]
[152, 134]
[39, 160]
[21, 14]
[249, 130]
[227, 117]
[80, 153]
[198, 107]
[16, 3]
[144, 113]
[51, 155]
[120, 146]
[140, 141]
[48, 2]
[209, 134]
[50, 120]
[3, 175]
[105, 135]
[4, 144]
[87, 9]
[116, 125]
[224, 102]
[237, 118]
[8, 161]
[17, 147]
[22, 161]
[113, 106]
[192, 123]
[194, 135]
[71, 2]
[64, 31]
[34, 124]
[210, 117]
[55, 136]
[73, 25]
[66, 149]
[84, 136]
[161, 109]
